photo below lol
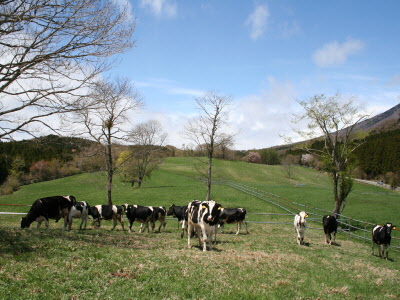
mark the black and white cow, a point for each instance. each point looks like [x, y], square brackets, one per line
[43, 209]
[179, 212]
[330, 227]
[107, 212]
[138, 213]
[300, 225]
[203, 216]
[79, 211]
[158, 214]
[381, 236]
[232, 216]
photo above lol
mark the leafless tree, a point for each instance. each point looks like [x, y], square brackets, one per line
[205, 130]
[50, 53]
[144, 157]
[106, 123]
[334, 120]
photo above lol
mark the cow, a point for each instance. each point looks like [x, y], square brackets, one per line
[43, 209]
[107, 212]
[381, 236]
[203, 216]
[142, 214]
[179, 212]
[330, 226]
[232, 216]
[79, 210]
[300, 226]
[158, 214]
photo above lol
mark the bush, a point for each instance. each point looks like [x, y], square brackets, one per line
[10, 185]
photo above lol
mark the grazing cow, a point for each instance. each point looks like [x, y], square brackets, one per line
[79, 210]
[300, 225]
[158, 214]
[43, 209]
[179, 212]
[203, 216]
[142, 214]
[107, 212]
[381, 236]
[232, 216]
[330, 226]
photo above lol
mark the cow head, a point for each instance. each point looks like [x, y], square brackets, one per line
[170, 211]
[210, 211]
[25, 222]
[388, 227]
[303, 215]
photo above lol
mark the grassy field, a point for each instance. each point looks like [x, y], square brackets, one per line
[266, 264]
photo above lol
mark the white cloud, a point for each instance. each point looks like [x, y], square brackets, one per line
[257, 21]
[161, 8]
[336, 53]
[261, 119]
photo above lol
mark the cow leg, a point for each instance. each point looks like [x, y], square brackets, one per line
[221, 226]
[189, 230]
[245, 225]
[121, 222]
[334, 238]
[209, 237]
[238, 228]
[182, 228]
[130, 225]
[46, 222]
[327, 238]
[373, 244]
[386, 247]
[202, 232]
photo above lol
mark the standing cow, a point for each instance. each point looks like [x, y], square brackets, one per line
[300, 226]
[107, 212]
[141, 214]
[158, 214]
[79, 210]
[232, 216]
[179, 212]
[203, 216]
[381, 235]
[43, 209]
[330, 226]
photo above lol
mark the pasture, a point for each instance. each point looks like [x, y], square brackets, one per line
[266, 264]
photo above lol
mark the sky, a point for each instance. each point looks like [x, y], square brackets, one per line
[265, 55]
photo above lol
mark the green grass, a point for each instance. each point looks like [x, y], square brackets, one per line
[266, 264]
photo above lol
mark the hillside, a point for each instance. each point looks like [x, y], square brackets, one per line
[388, 120]
[266, 264]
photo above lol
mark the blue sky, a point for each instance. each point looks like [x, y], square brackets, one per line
[266, 55]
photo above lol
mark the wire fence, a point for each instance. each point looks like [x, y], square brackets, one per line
[352, 228]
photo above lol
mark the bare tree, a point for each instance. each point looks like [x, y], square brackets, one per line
[334, 120]
[205, 130]
[50, 53]
[144, 157]
[106, 122]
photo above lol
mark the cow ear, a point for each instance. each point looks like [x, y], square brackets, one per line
[219, 208]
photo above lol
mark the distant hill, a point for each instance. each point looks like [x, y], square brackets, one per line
[388, 120]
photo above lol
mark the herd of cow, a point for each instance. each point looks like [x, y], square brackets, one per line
[201, 218]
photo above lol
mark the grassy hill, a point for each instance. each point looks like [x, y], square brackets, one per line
[266, 264]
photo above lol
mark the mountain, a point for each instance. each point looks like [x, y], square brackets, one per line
[388, 120]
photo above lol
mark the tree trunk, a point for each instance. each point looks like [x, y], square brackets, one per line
[110, 171]
[209, 174]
